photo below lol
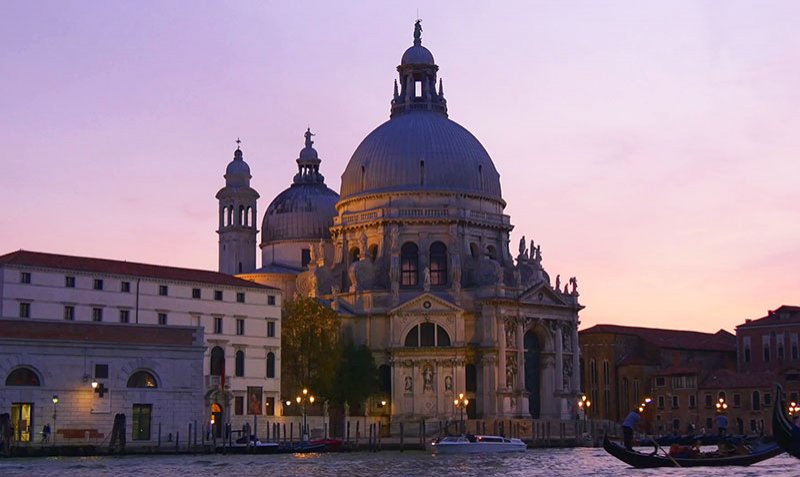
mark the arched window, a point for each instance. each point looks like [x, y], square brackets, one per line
[427, 335]
[23, 377]
[270, 364]
[409, 265]
[217, 361]
[230, 215]
[491, 252]
[373, 251]
[241, 215]
[355, 254]
[142, 379]
[239, 371]
[438, 259]
[473, 250]
[756, 401]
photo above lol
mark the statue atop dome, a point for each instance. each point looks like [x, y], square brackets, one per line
[418, 32]
[308, 136]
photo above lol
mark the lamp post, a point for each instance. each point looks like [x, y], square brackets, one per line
[301, 400]
[794, 409]
[721, 405]
[55, 413]
[584, 404]
[461, 403]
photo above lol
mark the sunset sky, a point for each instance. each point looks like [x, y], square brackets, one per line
[651, 148]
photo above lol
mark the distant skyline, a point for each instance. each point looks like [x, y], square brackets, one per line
[651, 148]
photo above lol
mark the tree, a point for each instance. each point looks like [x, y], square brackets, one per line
[356, 378]
[310, 347]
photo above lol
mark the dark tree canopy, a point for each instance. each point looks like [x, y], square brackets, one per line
[356, 377]
[310, 347]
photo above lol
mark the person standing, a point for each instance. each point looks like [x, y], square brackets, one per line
[628, 425]
[722, 424]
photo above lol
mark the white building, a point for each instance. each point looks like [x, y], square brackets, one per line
[152, 375]
[240, 319]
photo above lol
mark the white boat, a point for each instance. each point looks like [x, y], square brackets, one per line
[477, 444]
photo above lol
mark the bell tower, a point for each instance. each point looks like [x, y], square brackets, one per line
[237, 218]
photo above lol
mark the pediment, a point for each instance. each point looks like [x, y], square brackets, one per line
[426, 303]
[541, 294]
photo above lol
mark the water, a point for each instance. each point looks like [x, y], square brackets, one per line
[544, 462]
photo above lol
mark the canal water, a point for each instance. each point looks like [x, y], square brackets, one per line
[544, 462]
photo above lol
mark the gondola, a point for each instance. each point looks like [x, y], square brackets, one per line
[787, 435]
[644, 461]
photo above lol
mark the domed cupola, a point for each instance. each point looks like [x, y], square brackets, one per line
[420, 148]
[237, 174]
[304, 211]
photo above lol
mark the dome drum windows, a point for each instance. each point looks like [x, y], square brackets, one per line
[438, 261]
[409, 265]
[427, 335]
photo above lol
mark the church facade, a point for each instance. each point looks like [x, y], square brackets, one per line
[414, 254]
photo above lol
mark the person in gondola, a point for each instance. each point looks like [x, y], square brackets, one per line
[630, 423]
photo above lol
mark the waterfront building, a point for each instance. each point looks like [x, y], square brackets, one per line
[240, 365]
[74, 377]
[414, 256]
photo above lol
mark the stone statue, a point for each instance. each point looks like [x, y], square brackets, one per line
[523, 253]
[532, 251]
[566, 289]
[418, 32]
[394, 239]
[427, 378]
[448, 383]
[426, 279]
[511, 370]
[574, 282]
[509, 326]
[539, 254]
[351, 274]
[409, 384]
[558, 282]
[308, 135]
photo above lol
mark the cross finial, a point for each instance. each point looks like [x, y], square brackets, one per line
[238, 142]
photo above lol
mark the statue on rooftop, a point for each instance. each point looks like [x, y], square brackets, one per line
[308, 135]
[418, 32]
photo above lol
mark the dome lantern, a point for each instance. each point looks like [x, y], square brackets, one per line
[418, 80]
[308, 163]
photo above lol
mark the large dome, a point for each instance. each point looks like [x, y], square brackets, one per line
[301, 212]
[420, 150]
[306, 209]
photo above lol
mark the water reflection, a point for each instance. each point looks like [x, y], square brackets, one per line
[544, 462]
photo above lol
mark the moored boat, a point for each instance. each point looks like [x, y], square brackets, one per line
[786, 434]
[758, 453]
[477, 444]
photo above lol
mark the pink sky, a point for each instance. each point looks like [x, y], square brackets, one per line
[650, 147]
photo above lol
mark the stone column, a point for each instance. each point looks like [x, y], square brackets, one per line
[501, 338]
[559, 350]
[576, 361]
[520, 356]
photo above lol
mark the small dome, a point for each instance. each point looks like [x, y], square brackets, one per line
[304, 211]
[308, 154]
[238, 172]
[420, 150]
[417, 55]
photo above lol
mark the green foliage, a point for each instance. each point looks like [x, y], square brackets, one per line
[357, 376]
[310, 347]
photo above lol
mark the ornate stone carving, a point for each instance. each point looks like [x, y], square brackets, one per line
[408, 384]
[426, 279]
[455, 272]
[510, 326]
[567, 374]
[427, 378]
[511, 369]
[448, 383]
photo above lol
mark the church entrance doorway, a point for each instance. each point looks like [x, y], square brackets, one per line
[532, 351]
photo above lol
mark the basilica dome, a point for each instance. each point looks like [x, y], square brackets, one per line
[420, 150]
[306, 209]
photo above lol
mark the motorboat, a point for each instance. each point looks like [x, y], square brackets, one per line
[748, 456]
[477, 444]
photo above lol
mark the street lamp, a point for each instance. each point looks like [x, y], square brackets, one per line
[584, 404]
[721, 405]
[55, 412]
[301, 400]
[461, 403]
[794, 409]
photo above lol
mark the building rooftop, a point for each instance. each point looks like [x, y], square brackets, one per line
[784, 315]
[728, 379]
[118, 267]
[100, 333]
[674, 339]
